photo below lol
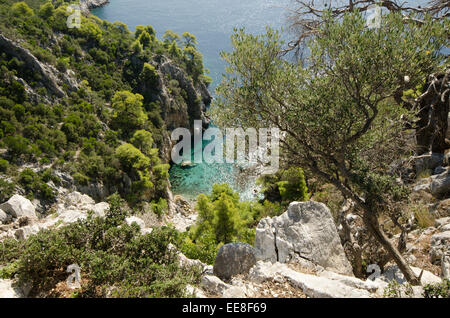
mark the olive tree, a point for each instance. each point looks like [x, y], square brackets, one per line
[336, 113]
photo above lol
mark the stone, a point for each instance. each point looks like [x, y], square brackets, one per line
[184, 261]
[234, 292]
[25, 232]
[233, 259]
[441, 184]
[393, 273]
[439, 170]
[18, 206]
[422, 187]
[429, 162]
[8, 290]
[439, 243]
[442, 221]
[100, 209]
[72, 216]
[213, 285]
[79, 200]
[195, 292]
[306, 230]
[134, 219]
[445, 265]
[312, 286]
[368, 285]
[445, 228]
[86, 5]
[443, 209]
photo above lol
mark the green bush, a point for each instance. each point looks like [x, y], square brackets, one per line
[112, 255]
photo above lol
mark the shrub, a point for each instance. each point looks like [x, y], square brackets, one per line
[3, 165]
[441, 290]
[21, 9]
[422, 215]
[46, 10]
[6, 190]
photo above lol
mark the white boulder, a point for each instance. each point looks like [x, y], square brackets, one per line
[18, 206]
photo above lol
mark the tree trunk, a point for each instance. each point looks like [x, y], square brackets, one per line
[433, 116]
[374, 227]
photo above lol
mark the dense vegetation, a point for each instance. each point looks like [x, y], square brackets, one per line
[106, 130]
[115, 259]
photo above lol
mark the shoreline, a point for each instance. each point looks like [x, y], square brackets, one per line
[87, 5]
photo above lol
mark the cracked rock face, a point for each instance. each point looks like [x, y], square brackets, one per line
[305, 231]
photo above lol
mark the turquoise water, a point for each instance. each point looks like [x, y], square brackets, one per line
[212, 22]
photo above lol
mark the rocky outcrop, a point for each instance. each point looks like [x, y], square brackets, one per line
[393, 273]
[17, 206]
[234, 259]
[305, 231]
[48, 73]
[333, 286]
[445, 265]
[197, 98]
[441, 184]
[428, 162]
[86, 5]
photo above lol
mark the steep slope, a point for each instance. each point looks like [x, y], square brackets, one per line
[68, 97]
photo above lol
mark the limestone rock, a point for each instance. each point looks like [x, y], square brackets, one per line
[313, 286]
[86, 5]
[100, 209]
[442, 221]
[443, 209]
[4, 218]
[195, 292]
[368, 285]
[306, 230]
[439, 243]
[213, 285]
[25, 232]
[233, 259]
[393, 273]
[445, 265]
[79, 200]
[18, 206]
[441, 184]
